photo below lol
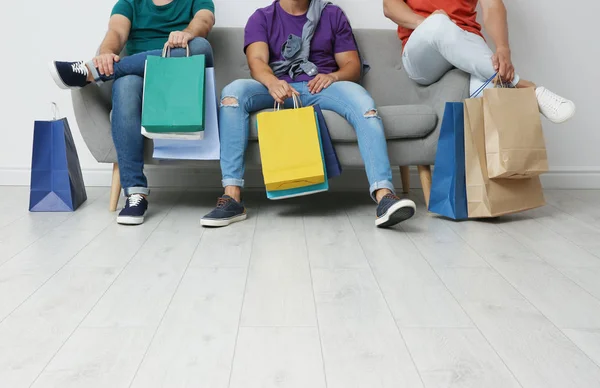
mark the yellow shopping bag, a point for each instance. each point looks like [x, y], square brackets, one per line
[290, 148]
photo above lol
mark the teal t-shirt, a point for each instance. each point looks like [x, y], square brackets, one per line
[151, 24]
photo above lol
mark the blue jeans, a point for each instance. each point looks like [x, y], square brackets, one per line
[126, 120]
[348, 99]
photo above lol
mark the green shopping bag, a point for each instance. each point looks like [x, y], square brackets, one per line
[174, 94]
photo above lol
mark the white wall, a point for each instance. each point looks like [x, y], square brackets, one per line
[546, 37]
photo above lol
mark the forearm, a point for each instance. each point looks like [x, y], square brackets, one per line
[112, 43]
[496, 25]
[401, 14]
[348, 72]
[262, 72]
[201, 25]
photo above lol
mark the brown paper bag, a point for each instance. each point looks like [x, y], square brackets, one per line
[492, 197]
[514, 141]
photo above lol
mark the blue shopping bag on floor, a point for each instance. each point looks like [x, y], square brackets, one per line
[332, 163]
[56, 179]
[448, 188]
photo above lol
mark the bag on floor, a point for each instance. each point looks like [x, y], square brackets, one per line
[448, 194]
[208, 148]
[492, 197]
[56, 179]
[514, 141]
[332, 162]
[173, 101]
[290, 148]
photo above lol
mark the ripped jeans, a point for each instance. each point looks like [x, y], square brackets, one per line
[348, 99]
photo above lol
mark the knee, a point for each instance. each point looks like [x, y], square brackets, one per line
[233, 93]
[201, 46]
[371, 114]
[230, 102]
[437, 26]
[362, 102]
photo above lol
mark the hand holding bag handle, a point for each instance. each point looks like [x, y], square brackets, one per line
[297, 103]
[167, 51]
[485, 84]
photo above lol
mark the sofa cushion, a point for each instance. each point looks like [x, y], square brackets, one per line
[399, 121]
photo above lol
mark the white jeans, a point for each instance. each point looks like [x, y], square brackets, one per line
[438, 45]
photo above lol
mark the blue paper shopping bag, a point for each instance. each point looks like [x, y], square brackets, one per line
[332, 163]
[448, 188]
[56, 180]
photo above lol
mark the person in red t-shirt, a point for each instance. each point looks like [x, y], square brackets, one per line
[438, 35]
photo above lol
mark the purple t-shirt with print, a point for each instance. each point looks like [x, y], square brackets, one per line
[273, 25]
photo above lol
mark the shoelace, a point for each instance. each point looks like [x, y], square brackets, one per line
[551, 100]
[221, 202]
[392, 196]
[134, 200]
[79, 68]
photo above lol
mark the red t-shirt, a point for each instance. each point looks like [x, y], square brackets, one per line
[463, 11]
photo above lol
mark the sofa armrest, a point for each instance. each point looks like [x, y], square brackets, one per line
[92, 106]
[453, 87]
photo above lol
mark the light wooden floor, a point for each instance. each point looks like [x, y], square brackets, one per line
[305, 294]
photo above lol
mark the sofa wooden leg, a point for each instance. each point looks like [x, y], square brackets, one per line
[405, 175]
[425, 176]
[115, 188]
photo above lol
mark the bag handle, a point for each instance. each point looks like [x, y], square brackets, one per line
[167, 51]
[501, 81]
[55, 111]
[498, 83]
[297, 103]
[485, 84]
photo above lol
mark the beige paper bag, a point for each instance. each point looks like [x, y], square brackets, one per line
[492, 197]
[514, 141]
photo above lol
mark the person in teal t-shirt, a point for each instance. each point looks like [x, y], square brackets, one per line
[142, 28]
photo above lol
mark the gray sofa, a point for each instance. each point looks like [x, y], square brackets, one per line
[411, 113]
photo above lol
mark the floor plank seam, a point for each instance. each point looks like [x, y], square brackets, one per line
[312, 286]
[237, 334]
[165, 312]
[386, 301]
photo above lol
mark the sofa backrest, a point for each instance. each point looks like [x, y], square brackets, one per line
[386, 81]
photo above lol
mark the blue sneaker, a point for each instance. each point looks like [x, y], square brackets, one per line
[227, 212]
[134, 211]
[69, 75]
[393, 210]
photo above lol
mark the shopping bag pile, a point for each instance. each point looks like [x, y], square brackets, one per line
[296, 151]
[179, 109]
[490, 156]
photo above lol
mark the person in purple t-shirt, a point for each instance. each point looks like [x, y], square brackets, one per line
[334, 53]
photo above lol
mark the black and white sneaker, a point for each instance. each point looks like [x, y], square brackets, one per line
[134, 211]
[69, 75]
[393, 210]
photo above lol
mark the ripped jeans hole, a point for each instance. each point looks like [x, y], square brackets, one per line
[230, 102]
[372, 114]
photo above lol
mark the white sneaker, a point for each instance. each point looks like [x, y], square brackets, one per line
[556, 108]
